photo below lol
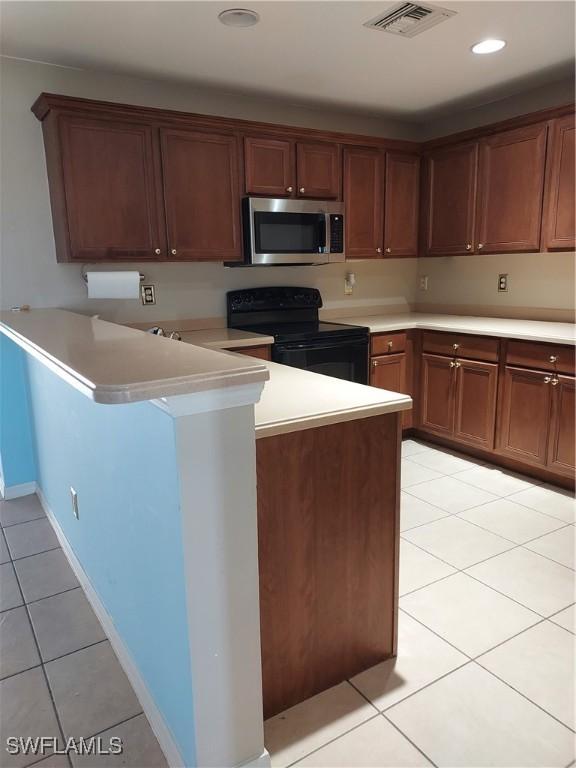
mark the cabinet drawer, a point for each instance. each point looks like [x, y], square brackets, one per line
[387, 343]
[460, 345]
[530, 354]
[262, 351]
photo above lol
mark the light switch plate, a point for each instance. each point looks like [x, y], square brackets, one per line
[424, 283]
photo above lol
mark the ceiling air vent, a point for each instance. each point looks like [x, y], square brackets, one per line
[409, 19]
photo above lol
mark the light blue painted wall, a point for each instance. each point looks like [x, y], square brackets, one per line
[17, 460]
[121, 460]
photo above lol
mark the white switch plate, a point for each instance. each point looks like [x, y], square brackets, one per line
[424, 283]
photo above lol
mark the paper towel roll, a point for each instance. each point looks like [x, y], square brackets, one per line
[113, 285]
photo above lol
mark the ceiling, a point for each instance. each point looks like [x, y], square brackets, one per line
[305, 52]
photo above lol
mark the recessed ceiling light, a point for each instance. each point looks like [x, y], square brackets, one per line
[239, 17]
[488, 46]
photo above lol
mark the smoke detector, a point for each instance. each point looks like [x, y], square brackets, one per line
[409, 19]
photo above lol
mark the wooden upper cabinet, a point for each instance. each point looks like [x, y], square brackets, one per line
[401, 204]
[364, 202]
[525, 415]
[450, 200]
[562, 439]
[269, 167]
[202, 195]
[318, 170]
[511, 186]
[560, 204]
[106, 204]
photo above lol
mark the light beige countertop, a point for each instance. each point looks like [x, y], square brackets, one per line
[529, 330]
[294, 399]
[225, 338]
[113, 364]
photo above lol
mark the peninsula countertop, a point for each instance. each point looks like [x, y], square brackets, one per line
[528, 330]
[114, 364]
[294, 399]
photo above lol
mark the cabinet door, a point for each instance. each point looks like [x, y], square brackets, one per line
[401, 192]
[562, 438]
[437, 398]
[525, 415]
[559, 216]
[389, 373]
[510, 190]
[202, 196]
[111, 174]
[269, 167]
[451, 200]
[364, 202]
[475, 411]
[318, 170]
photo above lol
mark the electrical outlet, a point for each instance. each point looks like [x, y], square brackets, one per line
[148, 295]
[424, 283]
[74, 497]
[502, 283]
[349, 283]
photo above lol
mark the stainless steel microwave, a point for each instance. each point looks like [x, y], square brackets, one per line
[278, 231]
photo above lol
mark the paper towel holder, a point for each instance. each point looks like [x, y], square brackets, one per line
[85, 277]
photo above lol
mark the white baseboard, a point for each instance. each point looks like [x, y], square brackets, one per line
[16, 491]
[155, 718]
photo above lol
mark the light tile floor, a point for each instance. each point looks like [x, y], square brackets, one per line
[485, 672]
[58, 673]
[484, 676]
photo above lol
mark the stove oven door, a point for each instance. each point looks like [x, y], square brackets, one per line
[342, 359]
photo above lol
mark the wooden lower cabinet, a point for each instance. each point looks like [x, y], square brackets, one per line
[459, 399]
[390, 372]
[437, 394]
[262, 352]
[328, 536]
[562, 438]
[475, 403]
[525, 410]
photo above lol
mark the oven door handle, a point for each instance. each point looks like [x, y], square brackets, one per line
[311, 347]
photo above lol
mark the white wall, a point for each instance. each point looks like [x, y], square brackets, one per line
[29, 271]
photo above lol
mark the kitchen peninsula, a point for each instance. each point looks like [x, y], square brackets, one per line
[327, 462]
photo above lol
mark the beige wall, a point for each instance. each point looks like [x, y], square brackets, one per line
[540, 285]
[29, 273]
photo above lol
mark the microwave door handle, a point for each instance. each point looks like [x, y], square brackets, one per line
[327, 234]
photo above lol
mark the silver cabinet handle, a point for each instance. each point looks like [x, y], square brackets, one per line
[289, 189]
[302, 190]
[547, 379]
[452, 363]
[157, 251]
[378, 250]
[455, 347]
[480, 246]
[555, 381]
[173, 251]
[553, 358]
[388, 250]
[374, 363]
[390, 345]
[468, 246]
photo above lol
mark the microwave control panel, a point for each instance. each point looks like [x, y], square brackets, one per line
[336, 233]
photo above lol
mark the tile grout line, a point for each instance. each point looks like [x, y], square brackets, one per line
[336, 738]
[41, 552]
[524, 696]
[424, 755]
[44, 673]
[23, 522]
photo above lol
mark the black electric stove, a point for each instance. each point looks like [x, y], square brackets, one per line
[301, 340]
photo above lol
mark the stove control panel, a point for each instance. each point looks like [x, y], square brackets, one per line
[272, 299]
